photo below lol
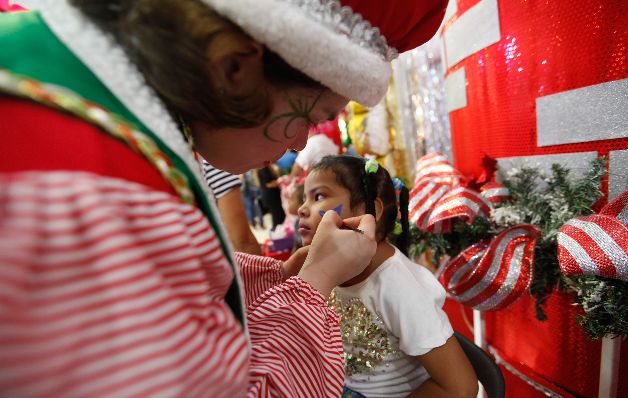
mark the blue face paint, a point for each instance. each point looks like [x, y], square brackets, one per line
[337, 209]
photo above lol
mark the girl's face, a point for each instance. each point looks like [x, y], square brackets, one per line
[240, 149]
[322, 193]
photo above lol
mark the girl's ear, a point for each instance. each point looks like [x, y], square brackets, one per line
[379, 209]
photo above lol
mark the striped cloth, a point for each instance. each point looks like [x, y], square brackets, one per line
[112, 288]
[597, 244]
[220, 182]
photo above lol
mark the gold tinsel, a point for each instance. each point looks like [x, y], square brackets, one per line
[364, 337]
[394, 158]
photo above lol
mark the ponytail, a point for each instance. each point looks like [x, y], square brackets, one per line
[370, 188]
[403, 239]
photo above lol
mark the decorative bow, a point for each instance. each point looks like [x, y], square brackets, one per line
[439, 195]
[487, 275]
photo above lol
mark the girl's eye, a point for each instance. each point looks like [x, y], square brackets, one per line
[318, 196]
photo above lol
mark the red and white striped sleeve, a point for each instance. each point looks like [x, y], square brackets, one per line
[296, 346]
[258, 274]
[295, 337]
[110, 288]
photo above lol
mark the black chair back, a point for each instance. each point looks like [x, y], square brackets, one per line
[488, 372]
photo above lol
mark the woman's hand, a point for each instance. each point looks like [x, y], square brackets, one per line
[337, 255]
[293, 265]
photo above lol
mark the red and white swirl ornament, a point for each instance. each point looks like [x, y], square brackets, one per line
[458, 203]
[491, 276]
[422, 199]
[435, 167]
[495, 192]
[437, 197]
[598, 244]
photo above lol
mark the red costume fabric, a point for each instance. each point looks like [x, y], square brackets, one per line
[111, 285]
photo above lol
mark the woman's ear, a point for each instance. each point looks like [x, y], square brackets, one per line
[379, 209]
[239, 69]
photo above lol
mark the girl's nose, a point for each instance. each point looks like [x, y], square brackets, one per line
[303, 211]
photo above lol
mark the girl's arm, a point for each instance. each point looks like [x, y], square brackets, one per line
[452, 375]
[233, 214]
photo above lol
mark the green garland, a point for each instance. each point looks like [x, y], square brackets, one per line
[605, 305]
[548, 203]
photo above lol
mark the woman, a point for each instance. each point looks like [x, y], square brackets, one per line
[115, 276]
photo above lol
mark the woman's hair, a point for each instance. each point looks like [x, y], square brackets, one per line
[176, 45]
[364, 188]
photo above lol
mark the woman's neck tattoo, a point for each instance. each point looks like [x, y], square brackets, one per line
[300, 109]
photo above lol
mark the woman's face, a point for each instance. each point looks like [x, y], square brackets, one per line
[240, 149]
[322, 193]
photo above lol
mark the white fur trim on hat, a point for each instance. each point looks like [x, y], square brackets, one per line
[311, 47]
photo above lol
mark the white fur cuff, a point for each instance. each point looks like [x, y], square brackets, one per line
[307, 45]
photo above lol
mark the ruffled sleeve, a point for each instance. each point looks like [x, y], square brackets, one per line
[258, 274]
[296, 346]
[110, 288]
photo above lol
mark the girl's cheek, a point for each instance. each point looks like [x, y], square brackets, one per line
[315, 227]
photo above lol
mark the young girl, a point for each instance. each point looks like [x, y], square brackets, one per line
[397, 339]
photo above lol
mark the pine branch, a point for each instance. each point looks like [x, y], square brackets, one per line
[605, 304]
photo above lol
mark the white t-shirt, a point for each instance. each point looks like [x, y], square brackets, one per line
[387, 320]
[317, 147]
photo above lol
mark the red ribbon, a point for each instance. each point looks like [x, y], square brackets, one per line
[598, 244]
[491, 276]
[459, 203]
[495, 192]
[487, 275]
[435, 167]
[440, 195]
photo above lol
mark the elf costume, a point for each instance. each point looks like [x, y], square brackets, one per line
[115, 275]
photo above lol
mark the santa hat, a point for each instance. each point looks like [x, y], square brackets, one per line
[330, 129]
[346, 45]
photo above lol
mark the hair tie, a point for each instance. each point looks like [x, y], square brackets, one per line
[398, 185]
[371, 166]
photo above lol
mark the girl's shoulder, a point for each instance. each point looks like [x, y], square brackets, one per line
[399, 268]
[400, 279]
[396, 279]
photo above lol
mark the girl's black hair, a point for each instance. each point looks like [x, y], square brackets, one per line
[365, 188]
